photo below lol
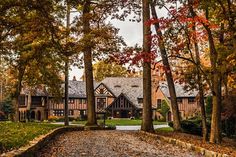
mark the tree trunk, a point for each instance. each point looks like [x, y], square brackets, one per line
[88, 67]
[215, 136]
[66, 118]
[147, 124]
[199, 80]
[28, 107]
[66, 110]
[168, 73]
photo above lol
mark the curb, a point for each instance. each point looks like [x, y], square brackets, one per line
[37, 143]
[189, 146]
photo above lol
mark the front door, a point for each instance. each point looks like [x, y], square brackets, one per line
[124, 114]
[101, 103]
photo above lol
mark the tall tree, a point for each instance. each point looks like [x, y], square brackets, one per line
[167, 69]
[87, 49]
[147, 124]
[28, 26]
[66, 96]
[199, 76]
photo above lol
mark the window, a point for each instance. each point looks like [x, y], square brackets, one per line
[36, 101]
[22, 100]
[179, 100]
[159, 103]
[140, 100]
[83, 101]
[71, 112]
[191, 100]
[80, 101]
[58, 112]
[101, 90]
[71, 101]
[101, 103]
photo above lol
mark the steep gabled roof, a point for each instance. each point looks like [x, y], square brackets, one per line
[179, 88]
[78, 88]
[121, 95]
[36, 91]
[107, 91]
[132, 88]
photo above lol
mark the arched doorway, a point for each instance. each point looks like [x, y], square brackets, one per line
[39, 115]
[169, 116]
[32, 115]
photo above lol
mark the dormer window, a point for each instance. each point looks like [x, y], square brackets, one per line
[117, 86]
[101, 91]
[140, 100]
[134, 86]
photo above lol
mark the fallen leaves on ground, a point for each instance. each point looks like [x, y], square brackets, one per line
[111, 144]
[228, 146]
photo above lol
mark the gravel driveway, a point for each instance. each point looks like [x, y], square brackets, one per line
[110, 144]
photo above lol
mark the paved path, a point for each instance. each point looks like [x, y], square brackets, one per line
[138, 127]
[128, 127]
[110, 144]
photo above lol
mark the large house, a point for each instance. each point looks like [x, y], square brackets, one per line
[186, 99]
[119, 97]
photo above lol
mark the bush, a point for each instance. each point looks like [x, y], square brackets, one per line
[191, 126]
[53, 118]
[170, 124]
[2, 115]
[110, 127]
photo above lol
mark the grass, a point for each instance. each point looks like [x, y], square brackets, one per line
[121, 122]
[166, 129]
[14, 135]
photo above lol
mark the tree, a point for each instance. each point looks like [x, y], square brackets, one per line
[147, 124]
[104, 69]
[199, 76]
[27, 43]
[7, 107]
[87, 49]
[164, 109]
[167, 69]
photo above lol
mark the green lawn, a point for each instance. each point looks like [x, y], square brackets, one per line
[14, 135]
[123, 122]
[167, 129]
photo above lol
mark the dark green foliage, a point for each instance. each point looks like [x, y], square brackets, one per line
[229, 127]
[193, 127]
[7, 107]
[208, 106]
[2, 115]
[164, 109]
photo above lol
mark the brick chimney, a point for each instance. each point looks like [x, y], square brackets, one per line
[74, 78]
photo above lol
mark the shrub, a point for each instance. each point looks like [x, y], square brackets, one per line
[110, 127]
[191, 126]
[53, 118]
[170, 124]
[164, 109]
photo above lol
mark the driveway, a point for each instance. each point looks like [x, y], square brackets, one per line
[111, 144]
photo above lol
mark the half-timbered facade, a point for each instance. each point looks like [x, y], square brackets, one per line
[120, 97]
[186, 99]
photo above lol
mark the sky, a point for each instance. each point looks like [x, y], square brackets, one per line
[131, 32]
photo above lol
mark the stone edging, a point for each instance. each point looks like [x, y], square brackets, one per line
[39, 142]
[189, 146]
